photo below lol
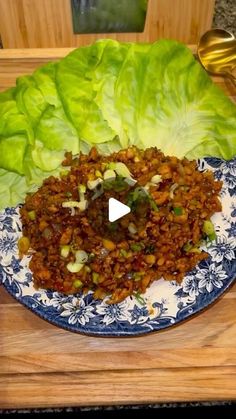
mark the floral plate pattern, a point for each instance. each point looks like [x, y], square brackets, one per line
[163, 305]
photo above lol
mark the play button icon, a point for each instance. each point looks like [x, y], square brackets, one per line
[116, 209]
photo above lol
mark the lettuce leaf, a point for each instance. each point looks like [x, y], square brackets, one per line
[110, 95]
[13, 188]
[180, 110]
[74, 78]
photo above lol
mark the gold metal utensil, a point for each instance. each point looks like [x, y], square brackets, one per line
[217, 53]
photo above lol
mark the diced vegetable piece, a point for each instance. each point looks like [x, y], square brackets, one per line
[74, 267]
[95, 277]
[139, 298]
[212, 237]
[64, 173]
[172, 189]
[150, 259]
[65, 250]
[130, 181]
[98, 192]
[71, 204]
[153, 205]
[108, 244]
[98, 173]
[120, 168]
[156, 179]
[23, 245]
[82, 188]
[77, 283]
[118, 184]
[137, 276]
[178, 210]
[132, 228]
[195, 250]
[187, 247]
[136, 247]
[32, 215]
[81, 256]
[123, 253]
[208, 228]
[109, 174]
[92, 184]
[150, 248]
[83, 205]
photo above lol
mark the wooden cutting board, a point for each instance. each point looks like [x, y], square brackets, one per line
[42, 365]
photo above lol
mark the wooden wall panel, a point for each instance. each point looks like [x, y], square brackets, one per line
[48, 23]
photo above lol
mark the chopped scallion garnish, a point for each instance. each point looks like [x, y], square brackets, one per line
[139, 298]
[178, 210]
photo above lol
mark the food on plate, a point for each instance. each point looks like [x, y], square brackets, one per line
[74, 247]
[112, 95]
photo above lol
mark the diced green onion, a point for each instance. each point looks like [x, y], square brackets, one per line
[139, 298]
[178, 210]
[83, 205]
[109, 174]
[137, 276]
[71, 204]
[98, 192]
[91, 256]
[212, 236]
[147, 186]
[95, 277]
[130, 181]
[187, 247]
[77, 283]
[172, 189]
[98, 173]
[156, 179]
[208, 228]
[81, 256]
[150, 248]
[32, 215]
[82, 191]
[64, 173]
[153, 205]
[75, 204]
[74, 267]
[23, 245]
[136, 247]
[195, 250]
[65, 250]
[132, 228]
[117, 184]
[120, 168]
[92, 184]
[123, 253]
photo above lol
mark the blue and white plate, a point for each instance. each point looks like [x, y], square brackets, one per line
[164, 304]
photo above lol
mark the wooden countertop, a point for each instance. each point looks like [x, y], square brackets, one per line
[42, 365]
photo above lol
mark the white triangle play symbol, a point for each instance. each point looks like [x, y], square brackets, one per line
[116, 209]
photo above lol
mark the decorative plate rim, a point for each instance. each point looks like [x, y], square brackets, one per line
[127, 334]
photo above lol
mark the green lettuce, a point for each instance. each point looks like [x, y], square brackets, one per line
[180, 110]
[110, 95]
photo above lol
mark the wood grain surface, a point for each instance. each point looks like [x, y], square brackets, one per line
[42, 365]
[48, 23]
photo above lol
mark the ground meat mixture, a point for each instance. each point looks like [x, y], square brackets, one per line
[75, 248]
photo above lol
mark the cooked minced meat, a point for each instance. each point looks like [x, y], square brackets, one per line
[74, 247]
